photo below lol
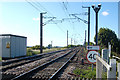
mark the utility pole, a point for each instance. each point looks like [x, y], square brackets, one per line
[71, 41]
[88, 23]
[51, 43]
[85, 38]
[96, 9]
[67, 38]
[41, 32]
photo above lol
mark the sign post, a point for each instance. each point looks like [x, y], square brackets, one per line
[91, 55]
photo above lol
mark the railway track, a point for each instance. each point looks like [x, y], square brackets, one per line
[20, 69]
[76, 62]
[49, 70]
[24, 60]
[11, 61]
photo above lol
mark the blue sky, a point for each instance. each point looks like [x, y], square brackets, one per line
[21, 18]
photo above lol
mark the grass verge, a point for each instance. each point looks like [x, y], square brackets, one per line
[31, 52]
[85, 73]
[0, 58]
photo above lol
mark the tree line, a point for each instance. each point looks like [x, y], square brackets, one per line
[106, 35]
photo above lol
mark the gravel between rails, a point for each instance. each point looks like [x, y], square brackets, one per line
[22, 62]
[75, 63]
[14, 60]
[26, 67]
[48, 71]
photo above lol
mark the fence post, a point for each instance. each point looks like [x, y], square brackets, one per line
[112, 73]
[98, 68]
[118, 71]
[105, 57]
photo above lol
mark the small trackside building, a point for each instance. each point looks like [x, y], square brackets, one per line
[12, 46]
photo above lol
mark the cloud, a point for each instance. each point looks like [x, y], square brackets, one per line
[105, 13]
[36, 19]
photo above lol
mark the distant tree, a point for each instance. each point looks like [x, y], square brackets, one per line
[70, 46]
[37, 47]
[106, 35]
[90, 43]
[49, 46]
[33, 47]
[78, 45]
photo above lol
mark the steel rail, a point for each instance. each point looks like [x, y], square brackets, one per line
[54, 75]
[29, 57]
[22, 76]
[13, 66]
[33, 59]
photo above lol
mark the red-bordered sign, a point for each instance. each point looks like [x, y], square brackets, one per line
[91, 56]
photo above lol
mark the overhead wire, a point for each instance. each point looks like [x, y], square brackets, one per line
[73, 25]
[70, 21]
[51, 15]
[64, 12]
[83, 9]
[43, 7]
[65, 9]
[39, 5]
[32, 5]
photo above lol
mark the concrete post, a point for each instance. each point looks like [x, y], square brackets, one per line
[118, 71]
[112, 73]
[98, 69]
[105, 58]
[0, 69]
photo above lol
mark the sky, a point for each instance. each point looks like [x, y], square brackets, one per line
[22, 18]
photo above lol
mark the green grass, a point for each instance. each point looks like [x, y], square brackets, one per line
[0, 58]
[52, 49]
[88, 73]
[85, 73]
[31, 52]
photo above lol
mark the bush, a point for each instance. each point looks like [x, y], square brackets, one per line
[29, 52]
[37, 47]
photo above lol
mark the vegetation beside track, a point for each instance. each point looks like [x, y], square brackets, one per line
[106, 35]
[52, 49]
[31, 52]
[0, 58]
[85, 73]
